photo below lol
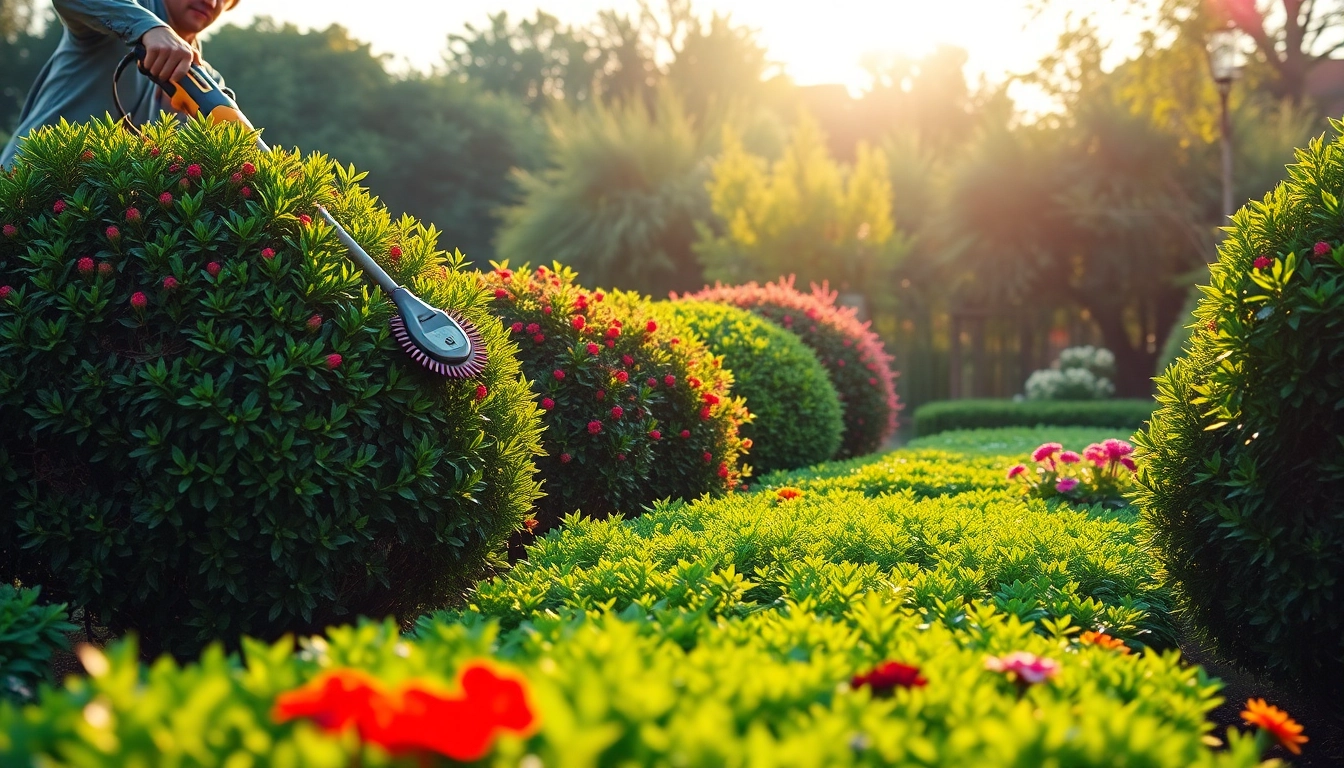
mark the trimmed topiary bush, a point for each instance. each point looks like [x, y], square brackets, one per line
[29, 633]
[635, 408]
[859, 366]
[1242, 466]
[206, 428]
[796, 416]
[944, 415]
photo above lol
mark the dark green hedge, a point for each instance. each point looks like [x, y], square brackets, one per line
[942, 416]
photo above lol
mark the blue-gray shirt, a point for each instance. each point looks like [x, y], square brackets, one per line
[76, 82]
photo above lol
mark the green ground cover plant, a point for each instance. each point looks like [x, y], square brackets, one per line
[799, 628]
[206, 427]
[1122, 415]
[796, 415]
[1242, 466]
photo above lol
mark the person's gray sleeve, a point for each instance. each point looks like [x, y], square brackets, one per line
[91, 19]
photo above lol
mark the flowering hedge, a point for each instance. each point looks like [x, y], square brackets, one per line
[776, 629]
[1241, 468]
[206, 428]
[635, 408]
[859, 366]
[796, 415]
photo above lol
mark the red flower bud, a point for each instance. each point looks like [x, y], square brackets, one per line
[708, 457]
[85, 266]
[598, 296]
[305, 219]
[685, 433]
[601, 394]
[533, 328]
[132, 215]
[249, 169]
[651, 326]
[546, 310]
[86, 155]
[138, 300]
[516, 327]
[620, 457]
[705, 413]
[504, 274]
[565, 458]
[558, 374]
[112, 233]
[710, 398]
[166, 199]
[174, 167]
[1320, 249]
[481, 391]
[539, 338]
[547, 403]
[194, 171]
[169, 283]
[617, 412]
[105, 269]
[622, 376]
[723, 470]
[154, 152]
[593, 349]
[500, 293]
[246, 192]
[652, 382]
[267, 253]
[236, 178]
[315, 323]
[10, 230]
[692, 382]
[613, 332]
[577, 321]
[670, 381]
[594, 427]
[212, 269]
[1262, 262]
[58, 207]
[394, 252]
[333, 360]
[655, 434]
[5, 290]
[610, 344]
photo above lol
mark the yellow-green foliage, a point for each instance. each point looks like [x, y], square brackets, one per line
[806, 216]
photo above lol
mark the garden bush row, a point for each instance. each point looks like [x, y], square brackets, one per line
[1121, 415]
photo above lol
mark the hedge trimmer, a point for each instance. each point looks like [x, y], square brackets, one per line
[441, 341]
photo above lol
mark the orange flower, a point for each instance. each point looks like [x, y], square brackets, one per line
[787, 493]
[1103, 640]
[1276, 722]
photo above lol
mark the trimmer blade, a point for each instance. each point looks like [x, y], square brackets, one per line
[473, 366]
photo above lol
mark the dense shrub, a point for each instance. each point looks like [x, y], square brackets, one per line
[1121, 415]
[1242, 467]
[29, 633]
[206, 428]
[796, 415]
[1080, 373]
[635, 409]
[859, 366]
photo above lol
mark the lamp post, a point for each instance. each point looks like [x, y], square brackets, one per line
[1225, 65]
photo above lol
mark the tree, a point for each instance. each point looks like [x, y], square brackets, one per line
[806, 215]
[1290, 36]
[22, 55]
[16, 18]
[538, 61]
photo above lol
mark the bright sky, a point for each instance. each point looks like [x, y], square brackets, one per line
[816, 42]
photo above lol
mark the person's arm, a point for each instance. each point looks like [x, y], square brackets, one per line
[168, 56]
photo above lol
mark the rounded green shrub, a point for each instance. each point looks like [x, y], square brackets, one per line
[636, 409]
[797, 419]
[852, 353]
[206, 427]
[1242, 465]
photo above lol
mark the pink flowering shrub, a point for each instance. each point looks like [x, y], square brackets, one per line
[853, 355]
[635, 409]
[1103, 472]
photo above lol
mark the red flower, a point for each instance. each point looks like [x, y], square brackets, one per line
[194, 171]
[652, 382]
[601, 394]
[886, 677]
[530, 524]
[622, 376]
[533, 328]
[333, 360]
[166, 199]
[710, 398]
[627, 360]
[154, 152]
[249, 169]
[1262, 262]
[314, 322]
[132, 214]
[138, 300]
[246, 192]
[237, 177]
[86, 155]
[581, 302]
[708, 457]
[394, 253]
[693, 382]
[788, 493]
[85, 266]
[598, 296]
[539, 338]
[516, 327]
[547, 403]
[723, 470]
[565, 458]
[594, 427]
[267, 253]
[613, 332]
[112, 233]
[705, 413]
[593, 349]
[1320, 249]
[670, 381]
[174, 167]
[577, 321]
[651, 326]
[546, 310]
[58, 207]
[481, 391]
[500, 293]
[685, 433]
[655, 434]
[10, 230]
[558, 374]
[169, 283]
[184, 183]
[488, 704]
[504, 274]
[5, 290]
[617, 412]
[305, 219]
[674, 340]
[334, 701]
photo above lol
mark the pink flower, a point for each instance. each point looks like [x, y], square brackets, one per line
[655, 434]
[565, 458]
[194, 171]
[593, 349]
[5, 290]
[546, 310]
[577, 321]
[138, 300]
[1023, 668]
[1096, 454]
[558, 374]
[249, 169]
[685, 433]
[622, 376]
[617, 412]
[246, 192]
[212, 269]
[333, 360]
[85, 266]
[1262, 262]
[315, 323]
[1117, 449]
[547, 403]
[112, 233]
[652, 382]
[169, 283]
[166, 199]
[500, 293]
[539, 338]
[58, 207]
[651, 326]
[1320, 249]
[533, 328]
[1016, 470]
[10, 230]
[1069, 457]
[516, 327]
[1129, 464]
[267, 253]
[1066, 484]
[594, 427]
[394, 253]
[1046, 451]
[670, 381]
[481, 392]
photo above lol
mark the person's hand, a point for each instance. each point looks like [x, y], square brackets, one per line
[167, 56]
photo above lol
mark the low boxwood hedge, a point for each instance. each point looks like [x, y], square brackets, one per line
[945, 415]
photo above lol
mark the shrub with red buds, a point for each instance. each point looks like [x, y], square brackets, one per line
[860, 370]
[598, 406]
